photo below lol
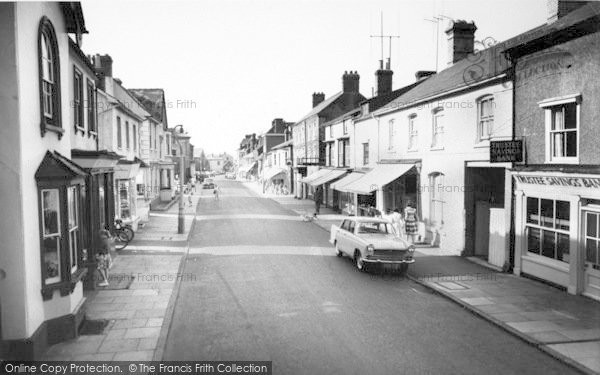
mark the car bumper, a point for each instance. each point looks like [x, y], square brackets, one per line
[387, 261]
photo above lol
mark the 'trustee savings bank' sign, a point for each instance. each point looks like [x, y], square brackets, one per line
[585, 182]
[506, 151]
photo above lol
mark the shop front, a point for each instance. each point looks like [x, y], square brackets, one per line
[346, 200]
[386, 186]
[275, 180]
[329, 195]
[557, 232]
[126, 192]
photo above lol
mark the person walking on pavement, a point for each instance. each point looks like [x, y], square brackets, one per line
[410, 222]
[318, 196]
[216, 192]
[397, 223]
[103, 256]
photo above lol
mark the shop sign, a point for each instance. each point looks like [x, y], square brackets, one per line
[506, 151]
[584, 182]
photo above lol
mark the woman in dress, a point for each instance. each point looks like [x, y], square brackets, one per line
[103, 257]
[410, 222]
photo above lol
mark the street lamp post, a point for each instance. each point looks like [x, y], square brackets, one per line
[180, 218]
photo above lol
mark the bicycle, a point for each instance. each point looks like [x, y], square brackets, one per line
[123, 234]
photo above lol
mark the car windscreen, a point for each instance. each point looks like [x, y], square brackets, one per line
[374, 228]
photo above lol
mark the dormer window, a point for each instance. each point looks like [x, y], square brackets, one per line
[49, 78]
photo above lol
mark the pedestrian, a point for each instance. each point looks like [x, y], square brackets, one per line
[318, 197]
[190, 198]
[398, 223]
[103, 257]
[410, 222]
[216, 192]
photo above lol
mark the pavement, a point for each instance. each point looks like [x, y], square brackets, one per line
[564, 326]
[138, 316]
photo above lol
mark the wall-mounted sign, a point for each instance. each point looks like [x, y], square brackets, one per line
[585, 182]
[506, 151]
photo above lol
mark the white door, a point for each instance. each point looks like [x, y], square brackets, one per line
[591, 248]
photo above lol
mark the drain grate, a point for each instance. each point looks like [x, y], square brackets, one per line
[93, 327]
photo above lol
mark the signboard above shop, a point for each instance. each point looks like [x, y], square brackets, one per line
[506, 151]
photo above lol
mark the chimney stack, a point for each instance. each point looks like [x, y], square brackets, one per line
[422, 74]
[350, 81]
[384, 81]
[318, 97]
[560, 8]
[461, 40]
[103, 66]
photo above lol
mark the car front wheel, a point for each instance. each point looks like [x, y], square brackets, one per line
[358, 261]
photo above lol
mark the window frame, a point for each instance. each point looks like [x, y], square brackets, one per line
[49, 121]
[119, 133]
[412, 132]
[548, 105]
[365, 158]
[391, 131]
[127, 136]
[489, 118]
[91, 107]
[437, 131]
[78, 119]
[436, 197]
[134, 127]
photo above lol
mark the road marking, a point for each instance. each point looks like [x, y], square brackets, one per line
[249, 216]
[263, 250]
[287, 315]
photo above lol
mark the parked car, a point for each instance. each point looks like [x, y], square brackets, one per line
[208, 184]
[370, 240]
[230, 176]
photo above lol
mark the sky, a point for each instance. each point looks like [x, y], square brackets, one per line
[229, 67]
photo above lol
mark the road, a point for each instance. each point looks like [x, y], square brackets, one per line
[268, 286]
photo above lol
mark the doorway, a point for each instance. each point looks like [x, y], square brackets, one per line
[591, 248]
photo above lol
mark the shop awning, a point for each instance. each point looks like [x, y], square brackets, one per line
[125, 170]
[246, 168]
[332, 175]
[269, 173]
[318, 174]
[378, 177]
[341, 184]
[95, 159]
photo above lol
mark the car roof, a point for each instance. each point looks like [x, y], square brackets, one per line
[366, 219]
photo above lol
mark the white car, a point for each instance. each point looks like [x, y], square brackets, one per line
[370, 240]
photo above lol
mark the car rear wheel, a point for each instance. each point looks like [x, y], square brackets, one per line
[358, 261]
[338, 252]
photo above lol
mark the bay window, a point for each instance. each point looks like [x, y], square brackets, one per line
[49, 79]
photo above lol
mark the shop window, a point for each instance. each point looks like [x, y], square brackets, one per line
[73, 224]
[124, 199]
[562, 129]
[485, 118]
[437, 137]
[547, 228]
[49, 78]
[91, 107]
[592, 239]
[78, 99]
[413, 133]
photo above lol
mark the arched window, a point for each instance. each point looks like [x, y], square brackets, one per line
[49, 78]
[436, 198]
[437, 128]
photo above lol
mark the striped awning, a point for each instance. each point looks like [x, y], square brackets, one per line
[332, 175]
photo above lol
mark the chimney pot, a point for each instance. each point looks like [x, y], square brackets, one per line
[350, 82]
[461, 40]
[317, 98]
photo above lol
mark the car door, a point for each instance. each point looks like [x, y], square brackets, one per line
[350, 244]
[341, 235]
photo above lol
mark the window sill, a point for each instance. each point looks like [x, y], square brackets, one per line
[79, 129]
[437, 148]
[412, 150]
[65, 287]
[92, 134]
[563, 161]
[483, 143]
[52, 128]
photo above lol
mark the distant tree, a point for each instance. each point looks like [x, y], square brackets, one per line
[228, 165]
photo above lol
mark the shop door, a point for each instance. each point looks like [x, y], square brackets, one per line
[591, 246]
[482, 228]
